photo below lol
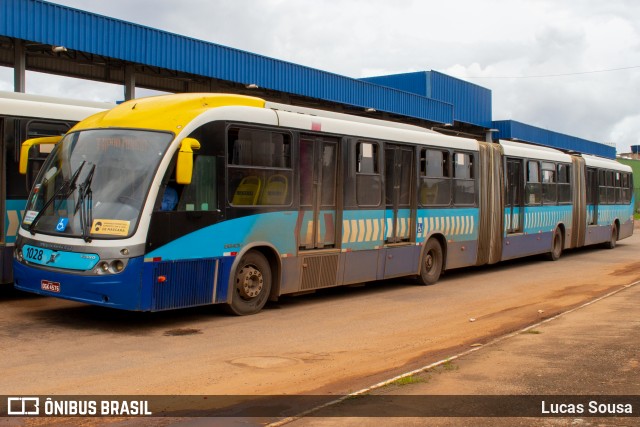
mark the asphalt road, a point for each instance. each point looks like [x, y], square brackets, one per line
[332, 342]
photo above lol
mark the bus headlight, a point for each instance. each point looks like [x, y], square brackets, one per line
[117, 266]
[113, 266]
[103, 267]
[19, 256]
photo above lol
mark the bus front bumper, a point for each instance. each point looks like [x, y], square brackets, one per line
[122, 290]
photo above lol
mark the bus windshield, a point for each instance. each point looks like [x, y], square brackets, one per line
[94, 183]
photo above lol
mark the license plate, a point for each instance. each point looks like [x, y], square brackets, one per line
[47, 285]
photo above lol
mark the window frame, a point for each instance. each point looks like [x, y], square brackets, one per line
[445, 177]
[548, 181]
[564, 185]
[264, 171]
[471, 156]
[376, 175]
[533, 184]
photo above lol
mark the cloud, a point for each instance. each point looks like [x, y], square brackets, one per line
[627, 129]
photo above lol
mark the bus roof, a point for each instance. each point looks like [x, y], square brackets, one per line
[519, 149]
[174, 112]
[165, 112]
[601, 162]
[376, 130]
[46, 107]
[153, 112]
[347, 117]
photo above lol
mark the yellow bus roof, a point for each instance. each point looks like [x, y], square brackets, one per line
[165, 112]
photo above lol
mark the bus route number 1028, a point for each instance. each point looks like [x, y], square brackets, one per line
[34, 254]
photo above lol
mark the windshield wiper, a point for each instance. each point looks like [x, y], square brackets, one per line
[85, 204]
[68, 186]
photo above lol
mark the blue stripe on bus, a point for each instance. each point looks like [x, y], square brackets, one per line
[608, 213]
[361, 230]
[538, 219]
[277, 228]
[456, 224]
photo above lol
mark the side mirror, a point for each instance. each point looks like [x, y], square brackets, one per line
[184, 167]
[25, 150]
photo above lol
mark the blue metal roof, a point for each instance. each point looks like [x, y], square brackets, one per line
[75, 29]
[510, 129]
[472, 103]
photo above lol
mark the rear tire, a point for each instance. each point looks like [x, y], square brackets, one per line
[556, 246]
[613, 239]
[431, 263]
[251, 284]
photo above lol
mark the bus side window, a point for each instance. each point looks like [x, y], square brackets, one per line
[38, 153]
[611, 189]
[201, 194]
[592, 186]
[435, 183]
[464, 186]
[368, 177]
[549, 187]
[626, 189]
[564, 183]
[533, 190]
[259, 168]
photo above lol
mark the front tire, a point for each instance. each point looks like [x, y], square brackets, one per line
[431, 263]
[251, 284]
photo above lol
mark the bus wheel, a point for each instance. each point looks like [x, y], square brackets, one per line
[431, 265]
[613, 239]
[251, 284]
[556, 247]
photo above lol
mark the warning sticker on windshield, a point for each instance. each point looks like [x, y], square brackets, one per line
[114, 227]
[29, 217]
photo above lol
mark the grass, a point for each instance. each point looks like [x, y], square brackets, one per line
[532, 331]
[449, 366]
[411, 379]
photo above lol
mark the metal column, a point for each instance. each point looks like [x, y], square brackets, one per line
[19, 66]
[129, 82]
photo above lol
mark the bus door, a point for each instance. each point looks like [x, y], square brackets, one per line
[400, 216]
[318, 193]
[514, 208]
[594, 190]
[2, 183]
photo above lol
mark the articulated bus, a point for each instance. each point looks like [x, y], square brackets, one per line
[21, 117]
[192, 199]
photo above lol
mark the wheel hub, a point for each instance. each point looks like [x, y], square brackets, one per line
[250, 281]
[428, 261]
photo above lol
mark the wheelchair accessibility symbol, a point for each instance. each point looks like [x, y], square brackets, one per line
[62, 224]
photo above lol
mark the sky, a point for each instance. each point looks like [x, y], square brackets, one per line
[568, 66]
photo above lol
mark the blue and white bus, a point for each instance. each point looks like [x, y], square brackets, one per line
[192, 199]
[25, 116]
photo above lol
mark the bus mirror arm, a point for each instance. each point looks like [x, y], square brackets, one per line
[184, 166]
[26, 146]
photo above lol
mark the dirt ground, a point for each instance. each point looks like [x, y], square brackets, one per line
[586, 356]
